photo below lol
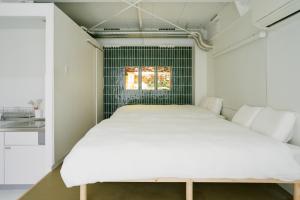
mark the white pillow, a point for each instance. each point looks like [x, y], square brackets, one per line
[277, 124]
[246, 115]
[212, 103]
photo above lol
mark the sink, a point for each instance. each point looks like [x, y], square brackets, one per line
[39, 119]
[24, 125]
[32, 123]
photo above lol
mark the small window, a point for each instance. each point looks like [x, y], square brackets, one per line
[163, 78]
[132, 78]
[151, 78]
[148, 78]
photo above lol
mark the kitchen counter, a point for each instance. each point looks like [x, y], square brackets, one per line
[31, 125]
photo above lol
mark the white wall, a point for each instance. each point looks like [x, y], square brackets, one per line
[239, 75]
[22, 61]
[264, 72]
[283, 72]
[74, 84]
[100, 85]
[284, 69]
[200, 74]
[210, 75]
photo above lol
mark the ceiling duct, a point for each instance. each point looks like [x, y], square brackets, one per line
[215, 18]
[155, 34]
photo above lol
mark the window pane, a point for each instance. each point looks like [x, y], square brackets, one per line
[148, 78]
[132, 78]
[163, 78]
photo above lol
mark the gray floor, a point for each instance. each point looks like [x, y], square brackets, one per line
[53, 188]
[11, 194]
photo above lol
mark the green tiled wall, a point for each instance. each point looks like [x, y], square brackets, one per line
[117, 58]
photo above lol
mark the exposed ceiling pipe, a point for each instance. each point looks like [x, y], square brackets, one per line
[142, 34]
[203, 45]
[138, 34]
[196, 36]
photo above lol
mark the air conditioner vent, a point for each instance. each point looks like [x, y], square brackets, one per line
[112, 29]
[214, 18]
[166, 29]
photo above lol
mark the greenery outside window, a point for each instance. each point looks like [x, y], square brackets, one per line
[148, 78]
[163, 78]
[131, 78]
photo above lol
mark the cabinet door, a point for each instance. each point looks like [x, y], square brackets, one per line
[21, 138]
[24, 164]
[1, 158]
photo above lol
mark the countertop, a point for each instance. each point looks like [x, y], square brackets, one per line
[31, 125]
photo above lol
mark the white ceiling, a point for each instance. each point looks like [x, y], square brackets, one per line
[192, 14]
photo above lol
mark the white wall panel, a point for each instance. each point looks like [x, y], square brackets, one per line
[284, 70]
[200, 75]
[74, 84]
[265, 72]
[22, 61]
[100, 86]
[210, 75]
[240, 76]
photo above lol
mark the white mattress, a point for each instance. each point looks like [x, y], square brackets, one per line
[295, 150]
[144, 142]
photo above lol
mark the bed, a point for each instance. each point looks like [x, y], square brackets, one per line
[176, 144]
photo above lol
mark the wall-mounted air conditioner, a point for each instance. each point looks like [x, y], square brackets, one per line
[268, 13]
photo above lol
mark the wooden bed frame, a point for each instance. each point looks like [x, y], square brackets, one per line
[189, 184]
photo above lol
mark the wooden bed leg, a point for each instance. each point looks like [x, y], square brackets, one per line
[189, 190]
[83, 192]
[296, 191]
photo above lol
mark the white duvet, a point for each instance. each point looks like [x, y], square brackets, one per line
[146, 142]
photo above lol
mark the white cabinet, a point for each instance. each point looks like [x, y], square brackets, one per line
[24, 164]
[22, 159]
[21, 138]
[1, 158]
